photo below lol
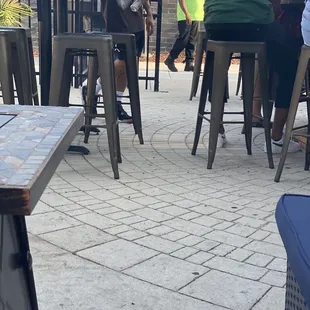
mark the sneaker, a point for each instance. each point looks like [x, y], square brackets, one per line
[221, 140]
[84, 97]
[169, 62]
[189, 67]
[276, 146]
[123, 117]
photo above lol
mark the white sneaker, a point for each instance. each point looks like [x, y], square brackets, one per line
[221, 140]
[276, 147]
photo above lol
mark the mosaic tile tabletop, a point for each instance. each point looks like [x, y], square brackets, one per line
[29, 138]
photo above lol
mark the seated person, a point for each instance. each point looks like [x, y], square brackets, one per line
[254, 20]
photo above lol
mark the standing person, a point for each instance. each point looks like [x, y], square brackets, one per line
[126, 20]
[189, 14]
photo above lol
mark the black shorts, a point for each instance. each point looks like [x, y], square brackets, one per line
[121, 49]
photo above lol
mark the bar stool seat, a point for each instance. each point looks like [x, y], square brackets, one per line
[299, 80]
[23, 67]
[217, 64]
[99, 47]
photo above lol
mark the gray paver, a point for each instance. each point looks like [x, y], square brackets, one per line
[274, 299]
[161, 270]
[118, 254]
[259, 259]
[77, 238]
[226, 290]
[230, 239]
[237, 268]
[50, 221]
[274, 278]
[159, 244]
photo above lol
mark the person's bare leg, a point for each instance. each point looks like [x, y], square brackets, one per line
[279, 121]
[120, 76]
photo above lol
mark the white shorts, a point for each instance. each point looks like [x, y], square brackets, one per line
[305, 24]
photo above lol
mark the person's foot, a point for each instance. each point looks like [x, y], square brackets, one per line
[221, 140]
[123, 117]
[189, 66]
[276, 146]
[84, 97]
[169, 62]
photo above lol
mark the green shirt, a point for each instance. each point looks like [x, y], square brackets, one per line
[194, 8]
[238, 11]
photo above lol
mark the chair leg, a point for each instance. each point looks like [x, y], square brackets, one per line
[267, 109]
[91, 90]
[24, 69]
[106, 69]
[221, 65]
[34, 86]
[206, 82]
[60, 76]
[6, 72]
[248, 68]
[239, 78]
[300, 76]
[134, 94]
[201, 46]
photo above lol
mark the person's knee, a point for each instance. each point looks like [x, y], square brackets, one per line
[120, 66]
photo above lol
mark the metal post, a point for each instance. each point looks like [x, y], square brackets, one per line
[62, 16]
[45, 46]
[158, 38]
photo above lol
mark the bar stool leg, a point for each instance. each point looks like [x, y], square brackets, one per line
[61, 76]
[267, 110]
[91, 89]
[248, 68]
[22, 71]
[206, 82]
[221, 63]
[34, 86]
[239, 78]
[200, 49]
[106, 69]
[6, 73]
[134, 94]
[300, 76]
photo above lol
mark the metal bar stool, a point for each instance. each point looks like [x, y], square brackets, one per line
[296, 98]
[128, 41]
[200, 51]
[6, 72]
[217, 63]
[23, 64]
[66, 46]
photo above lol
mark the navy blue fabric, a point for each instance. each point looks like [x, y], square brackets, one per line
[293, 220]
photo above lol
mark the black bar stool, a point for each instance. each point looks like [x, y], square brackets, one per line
[217, 64]
[66, 46]
[296, 98]
[23, 65]
[6, 72]
[128, 41]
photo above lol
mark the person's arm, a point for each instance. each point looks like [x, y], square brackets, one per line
[185, 11]
[149, 17]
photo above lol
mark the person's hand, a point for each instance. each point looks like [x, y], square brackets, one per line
[188, 19]
[150, 27]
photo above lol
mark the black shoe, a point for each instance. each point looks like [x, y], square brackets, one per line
[84, 99]
[189, 67]
[123, 117]
[169, 62]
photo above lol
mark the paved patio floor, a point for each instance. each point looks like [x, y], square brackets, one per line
[169, 234]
